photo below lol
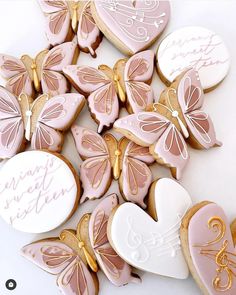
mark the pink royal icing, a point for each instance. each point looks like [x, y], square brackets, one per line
[114, 267]
[135, 23]
[191, 97]
[212, 250]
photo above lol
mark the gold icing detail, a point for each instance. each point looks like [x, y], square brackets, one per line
[121, 92]
[91, 262]
[224, 260]
[74, 22]
[116, 168]
[35, 76]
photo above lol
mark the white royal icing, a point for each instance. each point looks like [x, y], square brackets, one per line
[38, 191]
[195, 47]
[149, 245]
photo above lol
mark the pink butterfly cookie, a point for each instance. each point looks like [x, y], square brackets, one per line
[177, 117]
[104, 158]
[41, 121]
[128, 81]
[209, 248]
[41, 74]
[69, 258]
[64, 19]
[114, 267]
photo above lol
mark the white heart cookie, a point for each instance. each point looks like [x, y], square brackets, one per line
[149, 245]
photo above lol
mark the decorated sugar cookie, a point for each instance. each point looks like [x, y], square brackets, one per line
[69, 258]
[152, 243]
[33, 197]
[178, 116]
[209, 249]
[106, 158]
[114, 267]
[41, 121]
[129, 81]
[131, 26]
[40, 74]
[64, 19]
[194, 47]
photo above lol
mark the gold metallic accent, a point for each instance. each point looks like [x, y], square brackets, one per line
[121, 92]
[35, 77]
[224, 259]
[116, 168]
[74, 22]
[91, 262]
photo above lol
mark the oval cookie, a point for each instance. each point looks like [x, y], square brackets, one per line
[38, 191]
[194, 47]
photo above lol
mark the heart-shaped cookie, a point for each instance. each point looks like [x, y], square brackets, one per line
[131, 25]
[209, 249]
[151, 245]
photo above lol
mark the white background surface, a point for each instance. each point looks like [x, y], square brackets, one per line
[210, 175]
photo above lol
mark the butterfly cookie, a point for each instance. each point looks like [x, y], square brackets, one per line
[106, 158]
[40, 74]
[128, 82]
[178, 116]
[69, 258]
[114, 267]
[64, 19]
[209, 248]
[40, 121]
[74, 255]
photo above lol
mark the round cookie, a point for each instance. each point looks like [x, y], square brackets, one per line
[38, 191]
[194, 47]
[131, 26]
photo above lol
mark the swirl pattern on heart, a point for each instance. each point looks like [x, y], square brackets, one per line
[135, 23]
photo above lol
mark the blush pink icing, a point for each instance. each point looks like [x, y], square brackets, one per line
[52, 80]
[114, 267]
[57, 258]
[95, 172]
[152, 128]
[191, 98]
[57, 20]
[135, 23]
[101, 89]
[14, 71]
[205, 226]
[136, 176]
[57, 114]
[138, 70]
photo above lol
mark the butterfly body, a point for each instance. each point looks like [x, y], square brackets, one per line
[40, 121]
[106, 158]
[128, 82]
[64, 19]
[175, 118]
[40, 74]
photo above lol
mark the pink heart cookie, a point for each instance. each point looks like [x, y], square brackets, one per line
[131, 25]
[209, 249]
